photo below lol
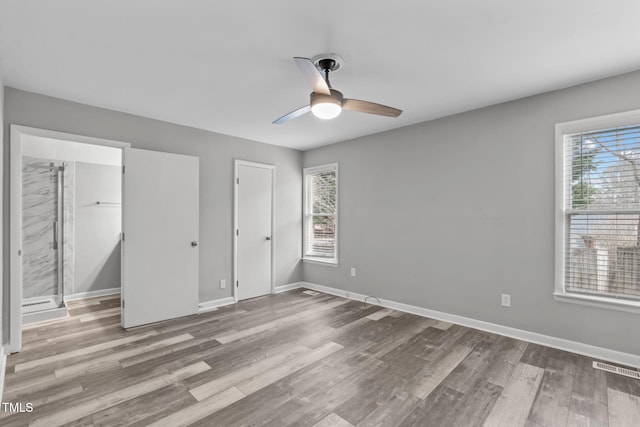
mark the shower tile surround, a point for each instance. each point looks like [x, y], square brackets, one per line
[39, 208]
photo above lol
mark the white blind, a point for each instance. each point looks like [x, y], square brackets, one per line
[602, 212]
[320, 212]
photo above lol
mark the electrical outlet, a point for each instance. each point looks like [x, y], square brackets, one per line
[223, 284]
[353, 272]
[506, 300]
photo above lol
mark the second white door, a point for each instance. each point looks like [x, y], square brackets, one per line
[254, 236]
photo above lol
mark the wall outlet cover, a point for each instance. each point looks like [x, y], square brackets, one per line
[506, 300]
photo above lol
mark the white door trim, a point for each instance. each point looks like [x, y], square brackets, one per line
[237, 164]
[15, 217]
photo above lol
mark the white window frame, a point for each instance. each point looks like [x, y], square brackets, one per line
[628, 118]
[305, 214]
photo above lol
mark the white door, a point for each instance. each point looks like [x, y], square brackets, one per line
[254, 237]
[160, 226]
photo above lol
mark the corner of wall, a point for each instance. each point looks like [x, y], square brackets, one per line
[2, 222]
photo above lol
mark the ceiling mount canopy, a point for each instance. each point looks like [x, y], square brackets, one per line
[325, 102]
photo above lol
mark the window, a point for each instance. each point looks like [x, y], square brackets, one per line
[321, 214]
[598, 220]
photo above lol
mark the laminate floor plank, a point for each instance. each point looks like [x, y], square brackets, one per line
[553, 402]
[508, 352]
[392, 412]
[301, 358]
[374, 390]
[514, 404]
[406, 327]
[296, 317]
[80, 352]
[114, 357]
[421, 346]
[257, 382]
[472, 368]
[435, 411]
[432, 374]
[589, 398]
[217, 385]
[248, 411]
[171, 352]
[177, 359]
[89, 407]
[357, 311]
[333, 420]
[624, 409]
[624, 384]
[380, 314]
[199, 410]
[328, 394]
[476, 405]
[171, 398]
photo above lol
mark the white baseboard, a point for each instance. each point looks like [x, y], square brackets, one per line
[203, 307]
[533, 337]
[92, 294]
[3, 367]
[288, 287]
[44, 315]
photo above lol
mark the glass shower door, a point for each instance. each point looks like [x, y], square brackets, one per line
[42, 209]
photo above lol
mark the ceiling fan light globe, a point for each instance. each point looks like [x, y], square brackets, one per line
[326, 110]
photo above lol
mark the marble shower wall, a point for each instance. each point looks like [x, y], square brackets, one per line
[39, 211]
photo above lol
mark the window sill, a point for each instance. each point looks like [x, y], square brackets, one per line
[320, 261]
[601, 302]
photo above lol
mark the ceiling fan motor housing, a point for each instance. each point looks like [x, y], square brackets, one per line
[326, 106]
[336, 97]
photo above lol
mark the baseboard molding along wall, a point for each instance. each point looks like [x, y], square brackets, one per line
[519, 334]
[92, 294]
[290, 286]
[203, 307]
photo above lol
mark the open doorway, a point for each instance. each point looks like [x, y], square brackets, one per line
[71, 224]
[66, 222]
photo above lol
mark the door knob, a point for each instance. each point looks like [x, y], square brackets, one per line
[194, 243]
[268, 237]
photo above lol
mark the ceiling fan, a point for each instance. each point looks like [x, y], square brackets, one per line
[326, 102]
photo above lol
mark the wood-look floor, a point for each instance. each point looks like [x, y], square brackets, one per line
[301, 358]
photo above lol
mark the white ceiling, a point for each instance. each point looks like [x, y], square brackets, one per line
[227, 66]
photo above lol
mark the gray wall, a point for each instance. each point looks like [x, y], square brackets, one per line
[216, 153]
[451, 213]
[96, 245]
[2, 229]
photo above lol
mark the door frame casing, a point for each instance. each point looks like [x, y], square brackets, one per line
[236, 176]
[14, 343]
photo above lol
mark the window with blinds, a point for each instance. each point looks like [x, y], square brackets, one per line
[321, 213]
[602, 213]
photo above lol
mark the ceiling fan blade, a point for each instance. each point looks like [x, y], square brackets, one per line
[313, 76]
[292, 115]
[370, 107]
